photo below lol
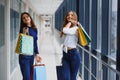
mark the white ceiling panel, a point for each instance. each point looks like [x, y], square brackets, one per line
[46, 6]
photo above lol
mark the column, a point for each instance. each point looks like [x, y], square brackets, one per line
[118, 39]
[7, 41]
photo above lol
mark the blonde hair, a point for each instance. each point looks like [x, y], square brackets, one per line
[65, 21]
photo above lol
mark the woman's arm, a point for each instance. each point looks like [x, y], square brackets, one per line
[68, 25]
[69, 31]
[37, 56]
[36, 44]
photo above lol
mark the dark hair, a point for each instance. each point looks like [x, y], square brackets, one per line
[22, 24]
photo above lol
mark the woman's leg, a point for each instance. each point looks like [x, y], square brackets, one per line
[66, 70]
[25, 66]
[66, 66]
[75, 63]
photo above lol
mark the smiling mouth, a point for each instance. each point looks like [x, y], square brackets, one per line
[69, 19]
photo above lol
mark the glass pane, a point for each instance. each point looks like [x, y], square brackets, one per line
[99, 26]
[14, 29]
[2, 42]
[113, 35]
[112, 75]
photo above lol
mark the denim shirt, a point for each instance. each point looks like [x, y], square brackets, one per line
[33, 32]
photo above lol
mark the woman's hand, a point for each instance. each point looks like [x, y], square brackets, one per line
[25, 30]
[78, 23]
[38, 58]
[74, 22]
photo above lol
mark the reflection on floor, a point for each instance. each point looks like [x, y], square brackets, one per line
[47, 52]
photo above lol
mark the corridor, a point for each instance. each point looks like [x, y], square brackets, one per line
[100, 59]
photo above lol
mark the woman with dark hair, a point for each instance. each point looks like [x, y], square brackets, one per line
[71, 57]
[27, 26]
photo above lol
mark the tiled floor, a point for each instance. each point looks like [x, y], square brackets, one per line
[47, 52]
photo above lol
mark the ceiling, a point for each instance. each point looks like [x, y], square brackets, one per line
[46, 6]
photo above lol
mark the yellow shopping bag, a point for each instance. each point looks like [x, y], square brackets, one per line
[17, 48]
[82, 39]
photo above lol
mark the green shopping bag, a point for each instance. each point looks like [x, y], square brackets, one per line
[24, 45]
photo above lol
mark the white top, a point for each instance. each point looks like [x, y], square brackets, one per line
[71, 37]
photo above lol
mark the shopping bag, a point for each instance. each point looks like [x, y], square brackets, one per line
[39, 72]
[84, 38]
[24, 44]
[86, 35]
[59, 72]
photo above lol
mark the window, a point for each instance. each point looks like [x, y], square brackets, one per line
[14, 30]
[113, 29]
[112, 37]
[99, 19]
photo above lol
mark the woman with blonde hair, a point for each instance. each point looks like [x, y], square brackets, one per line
[71, 57]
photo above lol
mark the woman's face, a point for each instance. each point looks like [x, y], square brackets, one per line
[70, 16]
[26, 19]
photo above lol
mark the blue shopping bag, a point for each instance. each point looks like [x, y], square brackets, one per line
[39, 72]
[24, 44]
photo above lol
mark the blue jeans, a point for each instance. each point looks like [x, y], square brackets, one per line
[26, 63]
[71, 63]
